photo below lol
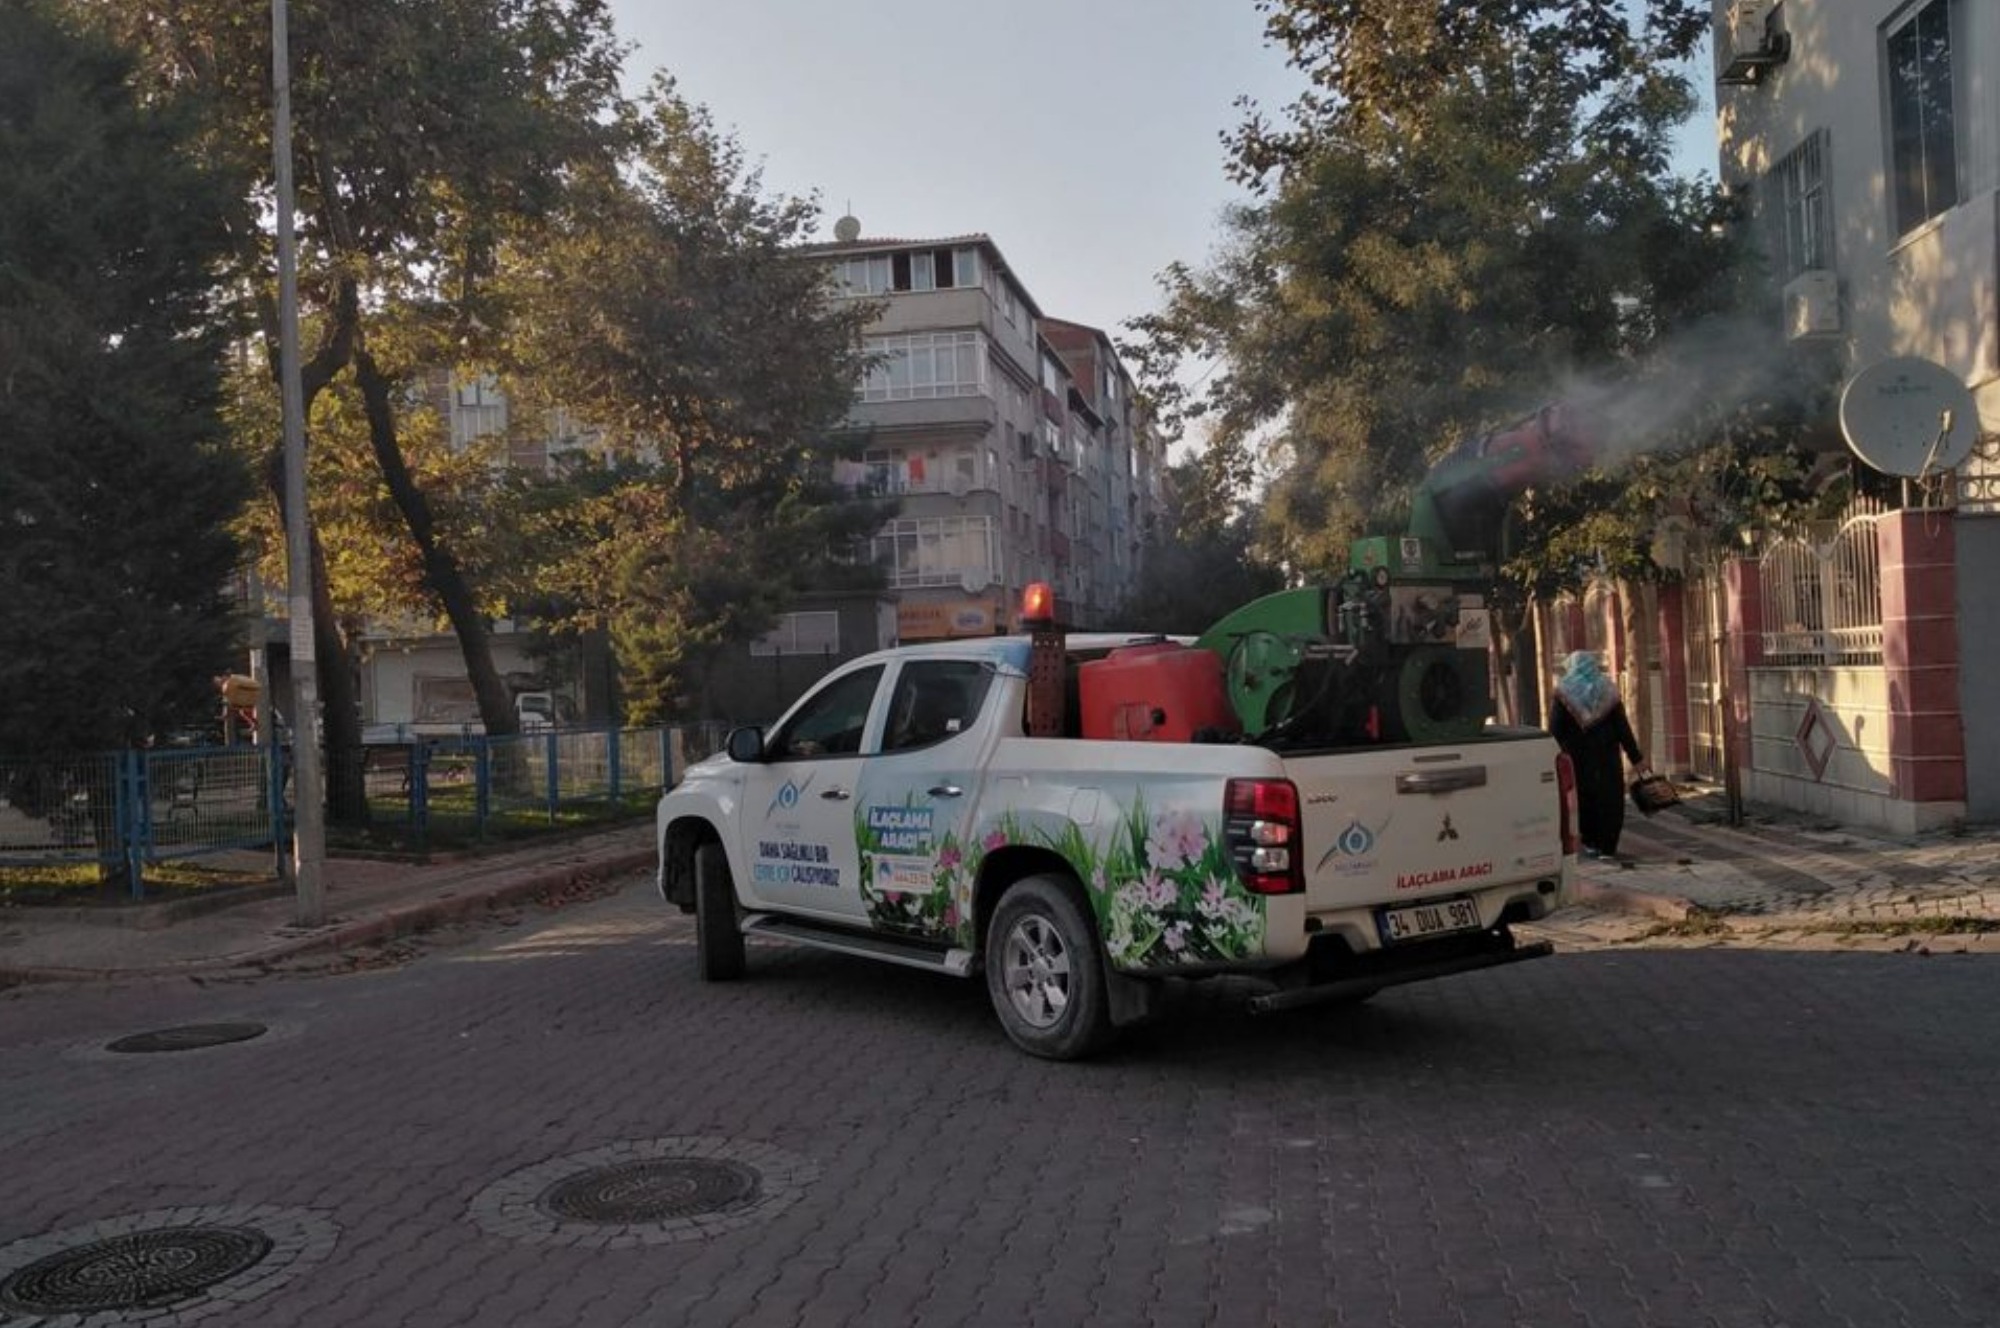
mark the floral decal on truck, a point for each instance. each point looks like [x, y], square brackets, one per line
[1165, 892]
[1161, 886]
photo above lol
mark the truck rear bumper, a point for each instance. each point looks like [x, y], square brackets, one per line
[1370, 973]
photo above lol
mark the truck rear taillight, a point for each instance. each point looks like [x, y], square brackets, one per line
[1566, 790]
[1260, 824]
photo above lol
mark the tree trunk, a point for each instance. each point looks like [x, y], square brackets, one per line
[1537, 634]
[1520, 660]
[441, 570]
[340, 705]
[340, 702]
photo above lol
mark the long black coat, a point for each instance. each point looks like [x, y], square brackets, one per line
[1600, 781]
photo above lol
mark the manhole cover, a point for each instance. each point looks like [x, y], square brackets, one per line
[645, 1192]
[143, 1270]
[652, 1191]
[191, 1037]
[171, 1265]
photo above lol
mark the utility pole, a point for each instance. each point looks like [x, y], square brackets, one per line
[309, 802]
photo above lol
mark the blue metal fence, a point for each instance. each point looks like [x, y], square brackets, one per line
[143, 808]
[134, 808]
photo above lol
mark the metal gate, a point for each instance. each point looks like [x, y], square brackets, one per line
[1704, 675]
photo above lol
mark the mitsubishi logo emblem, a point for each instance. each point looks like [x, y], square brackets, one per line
[1445, 831]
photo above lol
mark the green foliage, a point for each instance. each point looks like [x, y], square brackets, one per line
[1468, 215]
[669, 307]
[115, 495]
[1202, 561]
[425, 137]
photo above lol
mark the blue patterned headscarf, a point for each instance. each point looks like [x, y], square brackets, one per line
[1586, 689]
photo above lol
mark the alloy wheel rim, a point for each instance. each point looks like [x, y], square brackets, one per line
[1035, 970]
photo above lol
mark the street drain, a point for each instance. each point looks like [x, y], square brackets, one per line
[144, 1270]
[190, 1037]
[654, 1191]
[647, 1192]
[172, 1265]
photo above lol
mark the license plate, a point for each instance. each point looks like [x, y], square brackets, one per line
[1416, 922]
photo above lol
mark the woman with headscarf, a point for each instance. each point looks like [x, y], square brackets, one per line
[1588, 720]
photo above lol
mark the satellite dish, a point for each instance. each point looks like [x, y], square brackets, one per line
[1907, 416]
[847, 229]
[975, 580]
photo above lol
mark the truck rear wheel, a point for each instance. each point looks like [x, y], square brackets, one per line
[718, 941]
[1045, 973]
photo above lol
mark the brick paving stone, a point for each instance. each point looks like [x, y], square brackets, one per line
[1460, 1152]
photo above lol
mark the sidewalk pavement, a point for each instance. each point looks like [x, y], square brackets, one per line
[367, 901]
[1782, 877]
[1683, 876]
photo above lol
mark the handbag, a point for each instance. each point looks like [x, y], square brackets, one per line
[1653, 792]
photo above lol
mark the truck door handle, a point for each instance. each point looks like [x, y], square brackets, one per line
[946, 791]
[834, 794]
[1442, 781]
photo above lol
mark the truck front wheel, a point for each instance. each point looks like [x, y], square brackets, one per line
[718, 941]
[1044, 972]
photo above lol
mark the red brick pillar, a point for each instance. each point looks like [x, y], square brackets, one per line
[1671, 627]
[1743, 639]
[1573, 627]
[1920, 654]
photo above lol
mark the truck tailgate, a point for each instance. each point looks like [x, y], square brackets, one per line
[1400, 824]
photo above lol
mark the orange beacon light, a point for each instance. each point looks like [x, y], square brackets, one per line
[1038, 604]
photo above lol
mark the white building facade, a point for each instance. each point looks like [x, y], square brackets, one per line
[1865, 137]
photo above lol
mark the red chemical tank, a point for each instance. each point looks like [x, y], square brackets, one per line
[1162, 692]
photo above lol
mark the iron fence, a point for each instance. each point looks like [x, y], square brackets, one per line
[133, 810]
[1823, 596]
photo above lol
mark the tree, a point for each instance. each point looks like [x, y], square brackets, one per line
[116, 489]
[672, 309]
[426, 133]
[1469, 214]
[1210, 564]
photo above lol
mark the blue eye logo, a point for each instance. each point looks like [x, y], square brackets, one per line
[787, 797]
[1356, 841]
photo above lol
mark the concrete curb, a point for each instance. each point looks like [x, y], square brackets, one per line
[152, 917]
[371, 930]
[1630, 899]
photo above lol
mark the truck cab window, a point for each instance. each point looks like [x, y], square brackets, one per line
[830, 721]
[934, 700]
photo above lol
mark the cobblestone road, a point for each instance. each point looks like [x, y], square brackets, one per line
[1668, 1139]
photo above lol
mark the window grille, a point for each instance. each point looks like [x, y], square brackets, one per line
[1802, 240]
[1823, 601]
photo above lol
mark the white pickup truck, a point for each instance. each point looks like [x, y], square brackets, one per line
[900, 811]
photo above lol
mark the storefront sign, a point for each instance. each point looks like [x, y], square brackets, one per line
[933, 620]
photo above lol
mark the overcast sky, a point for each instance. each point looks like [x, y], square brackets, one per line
[1082, 135]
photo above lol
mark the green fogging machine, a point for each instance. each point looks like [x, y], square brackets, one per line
[1398, 649]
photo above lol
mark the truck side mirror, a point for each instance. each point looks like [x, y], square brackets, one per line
[746, 745]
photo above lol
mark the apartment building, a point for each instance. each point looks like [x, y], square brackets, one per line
[1865, 137]
[1013, 441]
[1014, 444]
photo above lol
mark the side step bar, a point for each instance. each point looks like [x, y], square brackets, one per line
[911, 954]
[1346, 988]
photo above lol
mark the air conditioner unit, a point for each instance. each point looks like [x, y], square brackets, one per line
[1746, 44]
[1812, 304]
